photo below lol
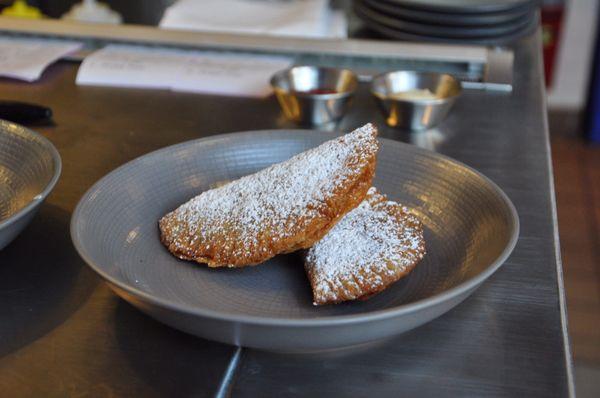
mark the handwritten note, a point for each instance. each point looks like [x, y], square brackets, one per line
[181, 70]
[229, 74]
[130, 66]
[26, 59]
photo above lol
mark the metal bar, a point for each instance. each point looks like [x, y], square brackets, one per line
[152, 35]
[490, 66]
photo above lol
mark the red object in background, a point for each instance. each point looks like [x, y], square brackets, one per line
[552, 16]
[320, 91]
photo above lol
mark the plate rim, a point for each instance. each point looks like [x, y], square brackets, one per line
[334, 320]
[436, 17]
[463, 8]
[365, 9]
[398, 34]
[56, 161]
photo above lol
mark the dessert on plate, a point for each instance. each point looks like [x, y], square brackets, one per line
[370, 248]
[283, 208]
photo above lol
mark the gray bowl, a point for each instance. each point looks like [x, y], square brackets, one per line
[470, 229]
[409, 112]
[312, 95]
[29, 169]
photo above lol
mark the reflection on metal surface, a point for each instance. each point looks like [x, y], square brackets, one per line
[218, 184]
[194, 181]
[227, 380]
[283, 122]
[428, 139]
[132, 235]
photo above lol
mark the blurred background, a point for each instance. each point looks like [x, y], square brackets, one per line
[572, 73]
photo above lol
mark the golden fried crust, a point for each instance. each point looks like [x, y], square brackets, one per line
[283, 208]
[370, 248]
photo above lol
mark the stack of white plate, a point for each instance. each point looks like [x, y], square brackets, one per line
[454, 21]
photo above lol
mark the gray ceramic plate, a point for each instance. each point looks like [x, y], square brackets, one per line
[470, 228]
[375, 13]
[465, 6]
[449, 18]
[399, 34]
[29, 169]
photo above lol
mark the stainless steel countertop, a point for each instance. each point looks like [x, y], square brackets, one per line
[63, 333]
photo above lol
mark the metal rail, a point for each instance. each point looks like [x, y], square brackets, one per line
[480, 67]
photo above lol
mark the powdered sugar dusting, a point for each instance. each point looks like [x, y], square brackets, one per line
[369, 248]
[279, 200]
